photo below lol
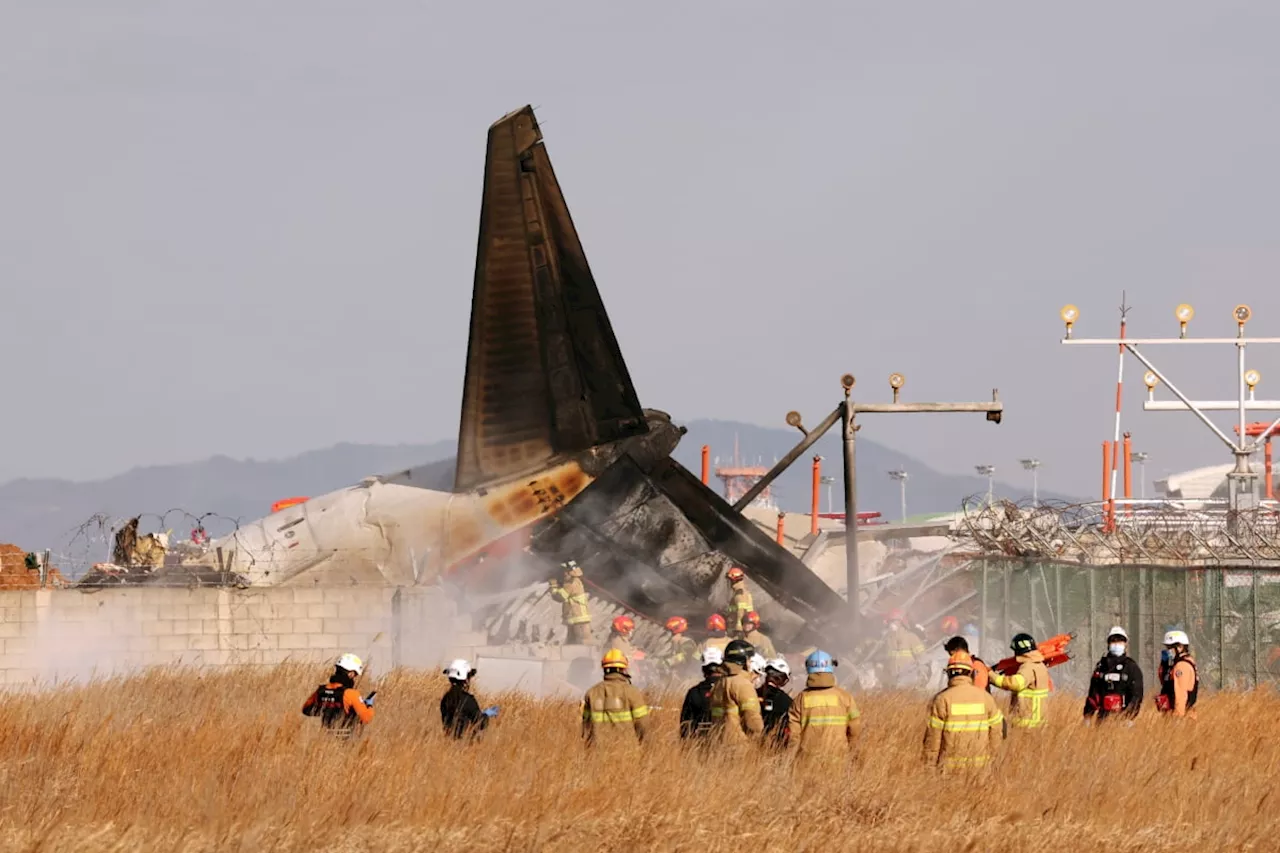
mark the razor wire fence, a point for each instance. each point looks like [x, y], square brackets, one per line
[1231, 615]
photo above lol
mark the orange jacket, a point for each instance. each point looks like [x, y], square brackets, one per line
[981, 674]
[352, 701]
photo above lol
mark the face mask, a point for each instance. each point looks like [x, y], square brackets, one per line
[1166, 655]
[1116, 649]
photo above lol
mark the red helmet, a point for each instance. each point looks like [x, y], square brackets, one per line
[623, 624]
[752, 618]
[677, 624]
[715, 622]
[895, 615]
[950, 625]
[736, 574]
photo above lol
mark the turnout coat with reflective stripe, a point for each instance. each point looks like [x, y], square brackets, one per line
[740, 606]
[965, 726]
[614, 708]
[823, 719]
[572, 595]
[735, 707]
[1029, 686]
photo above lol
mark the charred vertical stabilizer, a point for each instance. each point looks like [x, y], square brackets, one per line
[545, 375]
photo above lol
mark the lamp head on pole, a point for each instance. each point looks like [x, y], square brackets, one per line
[1069, 315]
[1184, 313]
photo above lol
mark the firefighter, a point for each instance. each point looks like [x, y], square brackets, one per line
[1029, 685]
[575, 612]
[615, 707]
[1116, 685]
[741, 603]
[1179, 678]
[695, 713]
[459, 711]
[338, 703]
[965, 724]
[620, 633]
[905, 663]
[981, 672]
[719, 638]
[775, 704]
[824, 721]
[735, 708]
[684, 651]
[752, 634]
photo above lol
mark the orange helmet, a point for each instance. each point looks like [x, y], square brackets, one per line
[950, 625]
[623, 624]
[638, 654]
[736, 574]
[715, 622]
[960, 660]
[895, 615]
[677, 624]
[613, 659]
[752, 618]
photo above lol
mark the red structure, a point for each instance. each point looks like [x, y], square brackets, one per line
[738, 480]
[1254, 430]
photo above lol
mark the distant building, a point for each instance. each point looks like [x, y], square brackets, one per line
[1198, 484]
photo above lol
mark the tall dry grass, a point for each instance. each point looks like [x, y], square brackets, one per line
[191, 761]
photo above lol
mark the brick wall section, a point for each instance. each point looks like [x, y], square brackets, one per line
[47, 634]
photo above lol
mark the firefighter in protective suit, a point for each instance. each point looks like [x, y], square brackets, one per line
[574, 612]
[614, 709]
[735, 708]
[741, 603]
[965, 725]
[684, 651]
[1179, 679]
[1029, 685]
[695, 713]
[758, 639]
[338, 703]
[824, 722]
[905, 664]
[718, 638]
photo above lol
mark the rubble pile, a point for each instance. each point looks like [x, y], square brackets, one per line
[15, 573]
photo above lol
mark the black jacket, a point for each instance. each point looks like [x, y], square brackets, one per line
[695, 714]
[775, 704]
[1115, 676]
[460, 713]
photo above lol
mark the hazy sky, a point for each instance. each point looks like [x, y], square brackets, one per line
[249, 228]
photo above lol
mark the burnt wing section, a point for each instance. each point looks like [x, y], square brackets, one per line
[544, 373]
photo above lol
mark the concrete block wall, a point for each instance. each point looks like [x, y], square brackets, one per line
[70, 633]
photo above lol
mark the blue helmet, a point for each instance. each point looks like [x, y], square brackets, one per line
[819, 661]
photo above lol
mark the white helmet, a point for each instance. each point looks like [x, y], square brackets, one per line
[779, 665]
[1179, 638]
[756, 663]
[1118, 631]
[712, 655]
[351, 663]
[459, 670]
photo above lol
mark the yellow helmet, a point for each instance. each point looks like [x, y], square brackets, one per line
[613, 659]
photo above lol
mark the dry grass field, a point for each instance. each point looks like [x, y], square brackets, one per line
[185, 761]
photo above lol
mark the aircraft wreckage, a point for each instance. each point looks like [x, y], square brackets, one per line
[556, 457]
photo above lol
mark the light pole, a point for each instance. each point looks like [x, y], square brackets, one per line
[1033, 465]
[1141, 459]
[828, 481]
[988, 471]
[901, 477]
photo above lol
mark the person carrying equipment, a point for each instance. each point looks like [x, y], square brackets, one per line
[741, 603]
[775, 704]
[823, 722]
[965, 726]
[905, 663]
[695, 713]
[575, 611]
[1179, 679]
[981, 672]
[1116, 685]
[735, 708]
[1029, 685]
[752, 634]
[338, 703]
[614, 707]
[459, 711]
[719, 639]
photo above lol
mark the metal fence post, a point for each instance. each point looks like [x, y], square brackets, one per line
[1059, 618]
[1004, 627]
[1222, 628]
[1031, 600]
[1093, 605]
[1142, 611]
[982, 622]
[1254, 596]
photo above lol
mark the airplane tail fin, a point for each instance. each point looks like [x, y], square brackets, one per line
[544, 375]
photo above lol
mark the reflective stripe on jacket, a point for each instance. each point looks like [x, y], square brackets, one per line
[823, 720]
[762, 644]
[573, 596]
[1029, 686]
[735, 708]
[965, 726]
[614, 709]
[740, 606]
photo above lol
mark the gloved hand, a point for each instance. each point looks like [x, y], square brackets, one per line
[491, 711]
[368, 700]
